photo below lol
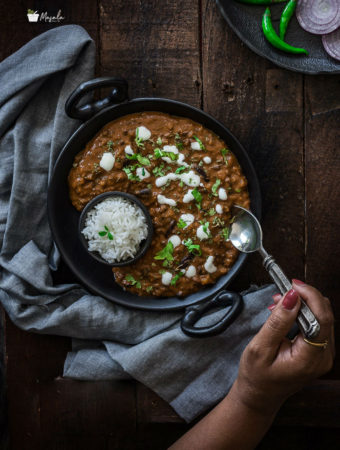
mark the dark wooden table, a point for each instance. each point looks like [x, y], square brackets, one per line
[289, 124]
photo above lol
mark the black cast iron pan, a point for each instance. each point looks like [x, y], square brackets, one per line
[63, 217]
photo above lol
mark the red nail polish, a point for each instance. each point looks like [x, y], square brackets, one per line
[290, 299]
[271, 307]
[298, 282]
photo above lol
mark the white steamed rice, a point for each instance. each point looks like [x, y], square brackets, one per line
[125, 221]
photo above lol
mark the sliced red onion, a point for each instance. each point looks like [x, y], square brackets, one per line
[318, 16]
[331, 42]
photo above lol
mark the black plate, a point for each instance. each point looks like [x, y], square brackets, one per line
[246, 21]
[63, 217]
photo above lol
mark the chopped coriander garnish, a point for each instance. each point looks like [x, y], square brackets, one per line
[180, 169]
[225, 233]
[132, 281]
[129, 172]
[141, 159]
[106, 232]
[224, 152]
[149, 186]
[217, 222]
[110, 146]
[197, 196]
[143, 172]
[238, 190]
[149, 288]
[162, 271]
[193, 248]
[138, 140]
[178, 142]
[176, 278]
[158, 171]
[181, 224]
[159, 141]
[200, 142]
[211, 212]
[166, 252]
[215, 186]
[160, 154]
[133, 156]
[181, 183]
[206, 228]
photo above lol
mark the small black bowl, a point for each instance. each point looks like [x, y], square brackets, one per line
[144, 244]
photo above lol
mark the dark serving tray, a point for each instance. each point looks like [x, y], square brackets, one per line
[246, 21]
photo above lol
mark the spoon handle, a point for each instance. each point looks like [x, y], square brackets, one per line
[306, 320]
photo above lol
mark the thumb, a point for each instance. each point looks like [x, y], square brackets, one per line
[278, 324]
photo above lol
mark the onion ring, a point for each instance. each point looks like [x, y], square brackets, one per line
[318, 16]
[331, 42]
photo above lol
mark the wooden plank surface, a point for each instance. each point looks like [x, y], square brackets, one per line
[262, 105]
[322, 124]
[185, 51]
[158, 51]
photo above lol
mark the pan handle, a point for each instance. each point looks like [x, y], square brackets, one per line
[194, 313]
[118, 94]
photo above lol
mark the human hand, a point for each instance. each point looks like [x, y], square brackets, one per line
[272, 367]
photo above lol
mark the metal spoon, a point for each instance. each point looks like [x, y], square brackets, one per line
[246, 236]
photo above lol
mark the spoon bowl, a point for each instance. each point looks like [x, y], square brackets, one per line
[245, 231]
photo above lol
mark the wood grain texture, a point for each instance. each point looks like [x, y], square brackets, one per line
[262, 106]
[322, 124]
[158, 47]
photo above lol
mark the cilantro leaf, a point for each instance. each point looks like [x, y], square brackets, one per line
[166, 252]
[215, 187]
[129, 172]
[143, 160]
[180, 169]
[193, 248]
[132, 281]
[224, 152]
[181, 224]
[176, 278]
[161, 154]
[158, 171]
[200, 142]
[178, 142]
[225, 233]
[197, 195]
[138, 140]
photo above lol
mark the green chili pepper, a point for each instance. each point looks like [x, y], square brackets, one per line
[261, 2]
[286, 16]
[274, 39]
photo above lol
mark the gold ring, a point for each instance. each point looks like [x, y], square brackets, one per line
[317, 344]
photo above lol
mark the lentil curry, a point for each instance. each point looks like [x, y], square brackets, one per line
[187, 178]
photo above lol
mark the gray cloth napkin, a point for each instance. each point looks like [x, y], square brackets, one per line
[110, 342]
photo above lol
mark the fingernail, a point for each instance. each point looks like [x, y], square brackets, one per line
[290, 299]
[298, 282]
[271, 307]
[276, 297]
